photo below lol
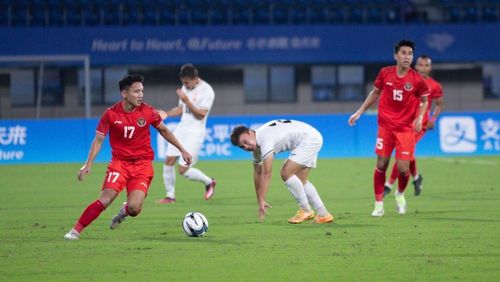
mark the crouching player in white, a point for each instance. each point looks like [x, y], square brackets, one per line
[195, 101]
[304, 142]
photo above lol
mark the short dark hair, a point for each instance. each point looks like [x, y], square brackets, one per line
[236, 133]
[424, 57]
[130, 79]
[402, 43]
[189, 71]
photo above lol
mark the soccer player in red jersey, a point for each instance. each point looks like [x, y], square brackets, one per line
[424, 67]
[403, 102]
[127, 123]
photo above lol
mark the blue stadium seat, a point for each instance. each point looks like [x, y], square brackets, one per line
[166, 16]
[471, 14]
[183, 16]
[199, 16]
[375, 15]
[240, 16]
[150, 16]
[219, 16]
[489, 14]
[299, 15]
[91, 15]
[454, 14]
[356, 15]
[73, 16]
[280, 15]
[19, 15]
[261, 15]
[39, 16]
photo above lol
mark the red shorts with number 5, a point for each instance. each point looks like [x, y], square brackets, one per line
[404, 142]
[135, 175]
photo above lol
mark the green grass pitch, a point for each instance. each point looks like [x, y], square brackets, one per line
[450, 233]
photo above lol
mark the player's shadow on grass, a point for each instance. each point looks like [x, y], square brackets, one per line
[209, 239]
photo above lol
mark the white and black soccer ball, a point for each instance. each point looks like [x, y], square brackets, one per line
[195, 224]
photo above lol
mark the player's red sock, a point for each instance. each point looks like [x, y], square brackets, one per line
[403, 181]
[89, 215]
[413, 168]
[394, 174]
[378, 184]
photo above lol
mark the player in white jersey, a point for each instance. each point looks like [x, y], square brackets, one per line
[304, 142]
[195, 101]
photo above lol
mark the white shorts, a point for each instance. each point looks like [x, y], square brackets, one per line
[306, 153]
[191, 141]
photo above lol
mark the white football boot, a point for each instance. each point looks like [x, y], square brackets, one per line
[400, 202]
[72, 235]
[379, 209]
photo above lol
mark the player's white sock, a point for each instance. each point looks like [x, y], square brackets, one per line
[388, 184]
[315, 199]
[196, 175]
[297, 189]
[416, 177]
[169, 180]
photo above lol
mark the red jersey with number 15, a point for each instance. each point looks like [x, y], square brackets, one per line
[436, 91]
[129, 133]
[399, 98]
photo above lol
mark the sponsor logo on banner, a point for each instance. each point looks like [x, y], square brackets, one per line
[217, 141]
[457, 134]
[490, 135]
[10, 139]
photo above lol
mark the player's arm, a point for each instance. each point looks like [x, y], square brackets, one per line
[170, 137]
[417, 124]
[437, 110]
[369, 101]
[95, 147]
[198, 113]
[262, 178]
[177, 111]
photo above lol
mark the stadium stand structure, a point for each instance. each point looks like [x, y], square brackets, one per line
[46, 13]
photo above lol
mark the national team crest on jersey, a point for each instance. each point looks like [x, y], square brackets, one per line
[408, 86]
[141, 122]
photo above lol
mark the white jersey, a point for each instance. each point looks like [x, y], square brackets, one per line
[282, 135]
[202, 97]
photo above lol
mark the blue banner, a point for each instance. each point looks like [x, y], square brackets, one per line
[57, 141]
[250, 44]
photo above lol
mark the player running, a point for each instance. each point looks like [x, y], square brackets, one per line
[304, 142]
[127, 123]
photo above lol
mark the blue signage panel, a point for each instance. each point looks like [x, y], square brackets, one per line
[68, 140]
[247, 44]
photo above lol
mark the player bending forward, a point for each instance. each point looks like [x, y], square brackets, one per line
[304, 142]
[127, 123]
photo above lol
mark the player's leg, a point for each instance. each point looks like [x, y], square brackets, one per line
[313, 197]
[405, 148]
[169, 179]
[383, 148]
[296, 188]
[132, 207]
[417, 178]
[193, 146]
[394, 175]
[141, 175]
[91, 213]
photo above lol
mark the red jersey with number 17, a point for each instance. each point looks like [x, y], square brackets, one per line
[399, 98]
[436, 91]
[129, 133]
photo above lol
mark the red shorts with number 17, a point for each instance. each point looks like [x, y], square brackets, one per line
[134, 175]
[404, 142]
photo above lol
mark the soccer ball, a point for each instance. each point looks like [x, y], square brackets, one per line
[195, 224]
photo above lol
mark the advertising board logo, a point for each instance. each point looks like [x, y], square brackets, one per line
[457, 134]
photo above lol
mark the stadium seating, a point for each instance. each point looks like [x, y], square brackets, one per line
[17, 13]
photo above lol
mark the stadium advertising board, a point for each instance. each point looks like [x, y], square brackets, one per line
[56, 141]
[246, 44]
